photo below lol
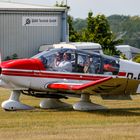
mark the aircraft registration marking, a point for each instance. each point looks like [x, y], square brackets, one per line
[131, 76]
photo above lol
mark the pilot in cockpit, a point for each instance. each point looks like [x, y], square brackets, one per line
[65, 65]
[62, 63]
[56, 61]
[89, 66]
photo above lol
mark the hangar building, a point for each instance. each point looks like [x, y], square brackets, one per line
[24, 27]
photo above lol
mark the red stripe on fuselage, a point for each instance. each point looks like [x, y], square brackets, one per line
[43, 74]
[122, 74]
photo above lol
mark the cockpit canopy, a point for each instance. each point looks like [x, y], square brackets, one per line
[81, 61]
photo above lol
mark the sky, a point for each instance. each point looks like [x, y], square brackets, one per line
[80, 8]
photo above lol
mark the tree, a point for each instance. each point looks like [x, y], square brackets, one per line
[73, 35]
[137, 58]
[90, 23]
[127, 28]
[79, 24]
[98, 30]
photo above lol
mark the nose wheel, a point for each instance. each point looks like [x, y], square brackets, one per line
[13, 103]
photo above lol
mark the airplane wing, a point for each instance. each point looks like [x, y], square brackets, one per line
[71, 86]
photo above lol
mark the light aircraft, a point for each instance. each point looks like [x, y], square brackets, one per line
[108, 77]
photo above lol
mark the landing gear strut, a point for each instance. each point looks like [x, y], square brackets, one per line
[13, 102]
[85, 104]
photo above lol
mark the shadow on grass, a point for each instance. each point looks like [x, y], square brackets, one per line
[55, 110]
[118, 112]
[105, 112]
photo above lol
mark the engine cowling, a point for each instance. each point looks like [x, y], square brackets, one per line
[12, 69]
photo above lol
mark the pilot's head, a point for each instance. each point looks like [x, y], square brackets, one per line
[67, 56]
[58, 56]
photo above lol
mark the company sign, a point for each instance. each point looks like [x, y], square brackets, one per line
[39, 21]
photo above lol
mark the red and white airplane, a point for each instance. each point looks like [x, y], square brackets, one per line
[106, 76]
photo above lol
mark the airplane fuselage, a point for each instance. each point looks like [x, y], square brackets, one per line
[35, 77]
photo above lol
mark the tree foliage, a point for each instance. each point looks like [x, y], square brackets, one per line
[79, 24]
[137, 58]
[98, 30]
[126, 28]
[73, 34]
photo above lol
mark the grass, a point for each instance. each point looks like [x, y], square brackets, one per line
[120, 122]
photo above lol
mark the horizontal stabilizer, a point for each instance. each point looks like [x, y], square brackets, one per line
[116, 97]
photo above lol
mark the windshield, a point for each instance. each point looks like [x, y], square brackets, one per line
[49, 57]
[44, 53]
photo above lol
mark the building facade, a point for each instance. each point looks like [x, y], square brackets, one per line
[23, 28]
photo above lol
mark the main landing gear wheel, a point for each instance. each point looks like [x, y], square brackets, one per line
[51, 103]
[85, 104]
[13, 103]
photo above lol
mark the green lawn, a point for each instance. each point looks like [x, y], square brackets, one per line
[120, 122]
